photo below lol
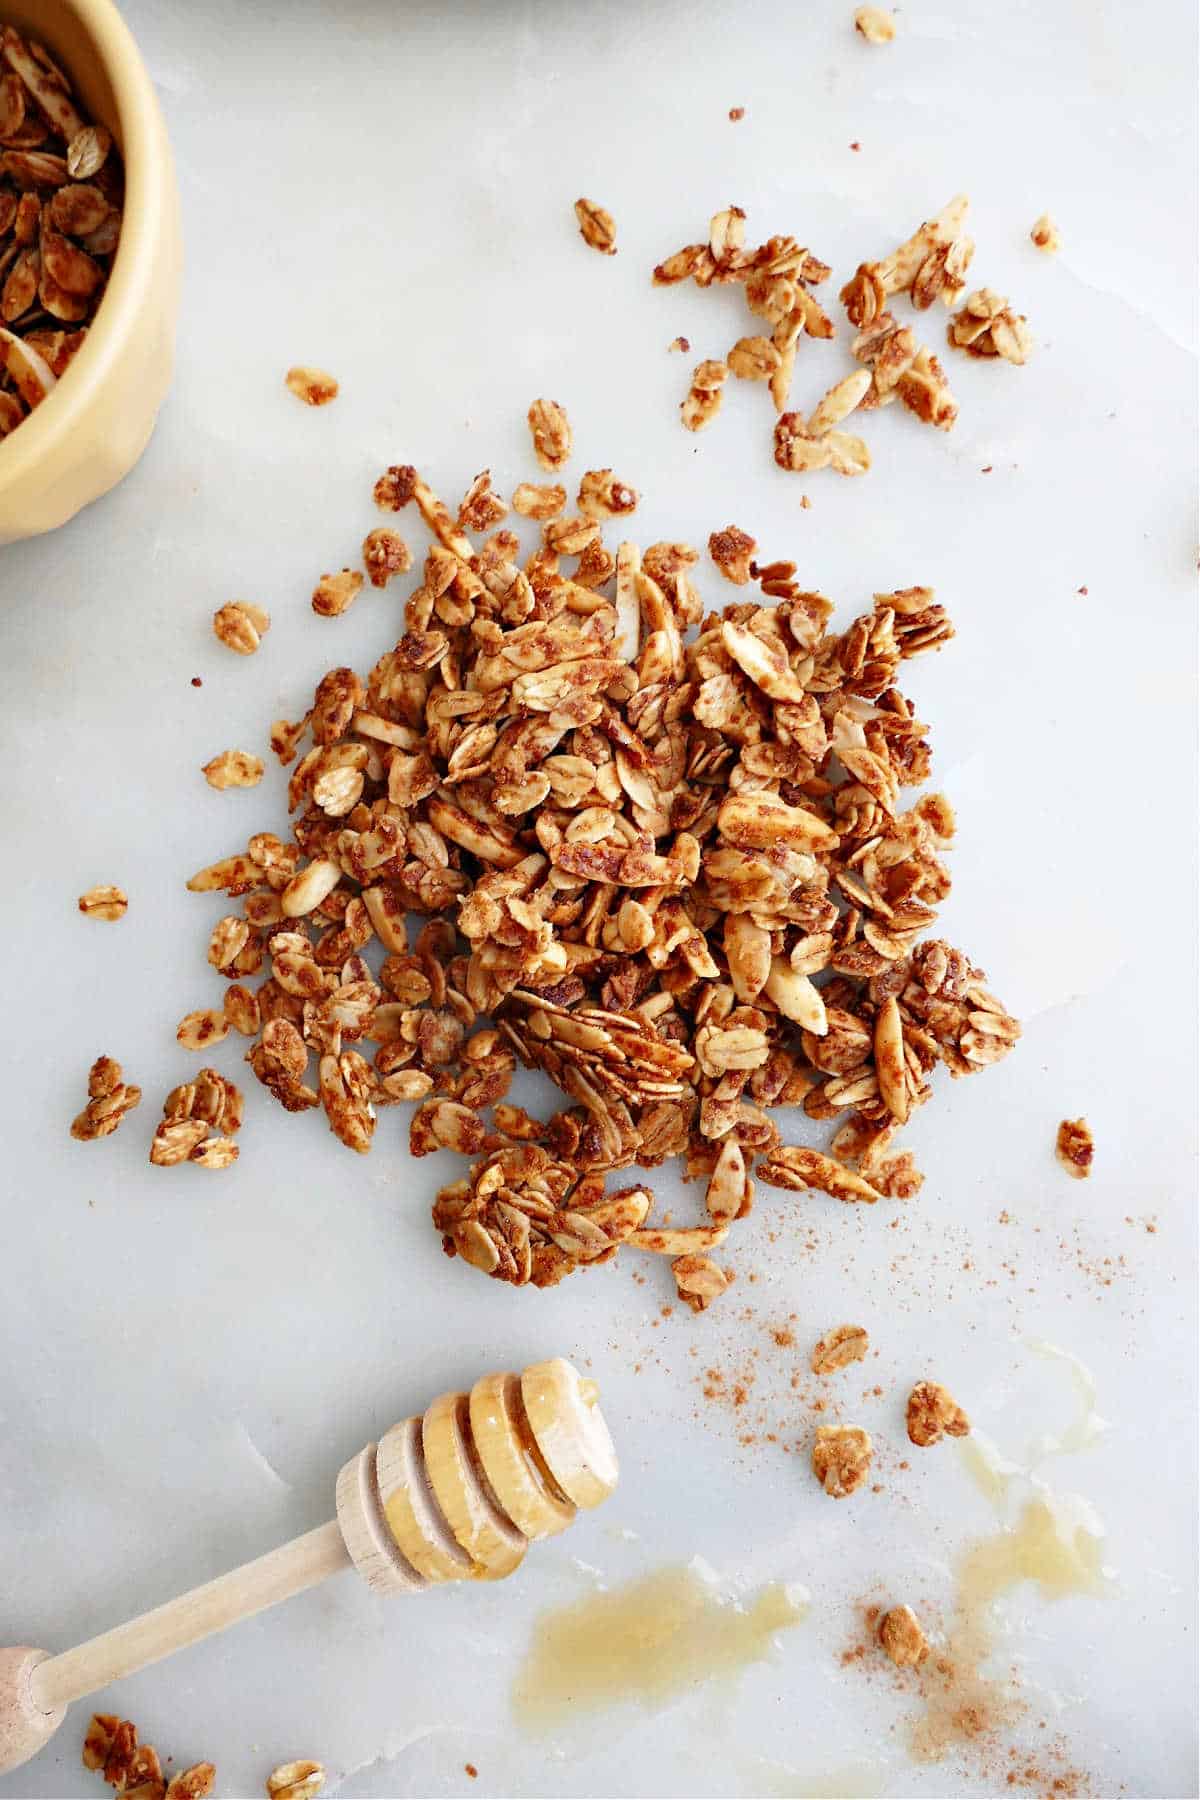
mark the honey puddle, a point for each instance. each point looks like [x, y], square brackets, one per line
[646, 1643]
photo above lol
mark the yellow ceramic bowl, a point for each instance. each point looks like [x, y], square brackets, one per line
[88, 433]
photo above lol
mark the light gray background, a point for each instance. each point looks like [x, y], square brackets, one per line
[386, 191]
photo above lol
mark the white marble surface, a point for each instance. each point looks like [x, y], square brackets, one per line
[386, 191]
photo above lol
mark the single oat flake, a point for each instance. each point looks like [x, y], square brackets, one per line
[313, 386]
[901, 1637]
[104, 902]
[838, 1348]
[875, 25]
[933, 1413]
[295, 1781]
[596, 227]
[1046, 235]
[241, 626]
[234, 768]
[841, 1459]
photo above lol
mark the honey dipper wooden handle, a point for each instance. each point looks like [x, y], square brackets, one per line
[456, 1494]
[147, 1639]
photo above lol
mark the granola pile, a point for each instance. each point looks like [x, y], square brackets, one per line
[636, 830]
[111, 1747]
[61, 194]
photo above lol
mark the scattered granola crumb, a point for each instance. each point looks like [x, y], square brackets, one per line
[856, 145]
[702, 402]
[1075, 1147]
[109, 1099]
[295, 1781]
[234, 768]
[841, 1458]
[596, 227]
[931, 1413]
[805, 503]
[196, 681]
[873, 24]
[104, 902]
[901, 1636]
[1083, 591]
[241, 626]
[1045, 234]
[384, 554]
[986, 469]
[111, 1746]
[551, 431]
[313, 386]
[334, 594]
[471, 1770]
[195, 1783]
[732, 551]
[209, 1104]
[838, 1348]
[737, 113]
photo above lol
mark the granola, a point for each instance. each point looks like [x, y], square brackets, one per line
[111, 1747]
[241, 626]
[61, 198]
[903, 369]
[1075, 1147]
[109, 1099]
[875, 25]
[104, 902]
[636, 832]
[596, 227]
[200, 1121]
[901, 1637]
[233, 768]
[1046, 235]
[313, 386]
[702, 402]
[988, 326]
[933, 1413]
[551, 432]
[295, 1781]
[844, 1345]
[841, 1459]
[930, 265]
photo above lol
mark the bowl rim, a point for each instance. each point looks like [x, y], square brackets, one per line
[146, 154]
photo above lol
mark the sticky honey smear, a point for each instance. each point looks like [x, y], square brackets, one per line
[646, 1643]
[1056, 1542]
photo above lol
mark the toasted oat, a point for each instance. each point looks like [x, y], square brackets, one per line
[841, 1458]
[538, 502]
[838, 1348]
[901, 1637]
[234, 768]
[932, 1412]
[312, 386]
[295, 1781]
[1075, 1147]
[703, 399]
[872, 23]
[1045, 234]
[802, 445]
[551, 432]
[698, 1281]
[197, 1030]
[192, 1784]
[104, 902]
[241, 626]
[596, 227]
[109, 1099]
[214, 1153]
[733, 551]
[753, 359]
[988, 326]
[334, 594]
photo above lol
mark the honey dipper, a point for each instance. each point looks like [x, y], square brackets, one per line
[455, 1495]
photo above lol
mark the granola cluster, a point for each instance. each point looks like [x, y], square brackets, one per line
[200, 1121]
[111, 1747]
[61, 194]
[636, 830]
[110, 1097]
